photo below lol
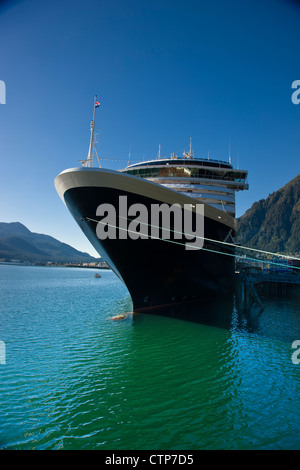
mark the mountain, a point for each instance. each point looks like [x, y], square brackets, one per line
[17, 242]
[273, 224]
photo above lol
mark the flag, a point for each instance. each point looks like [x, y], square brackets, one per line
[97, 104]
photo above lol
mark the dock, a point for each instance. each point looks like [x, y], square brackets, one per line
[251, 284]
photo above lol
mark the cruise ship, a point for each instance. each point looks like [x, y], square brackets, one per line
[160, 271]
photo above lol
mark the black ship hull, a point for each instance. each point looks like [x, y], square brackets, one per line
[157, 273]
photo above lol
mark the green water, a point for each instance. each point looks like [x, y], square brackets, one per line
[74, 378]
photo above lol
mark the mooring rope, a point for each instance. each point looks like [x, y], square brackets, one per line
[217, 241]
[205, 249]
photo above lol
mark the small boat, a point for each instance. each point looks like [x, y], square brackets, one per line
[97, 275]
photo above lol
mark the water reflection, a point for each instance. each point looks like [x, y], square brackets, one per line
[213, 312]
[280, 318]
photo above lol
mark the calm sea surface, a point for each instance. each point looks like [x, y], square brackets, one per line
[74, 378]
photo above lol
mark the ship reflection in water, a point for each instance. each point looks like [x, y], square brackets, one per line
[226, 312]
[213, 312]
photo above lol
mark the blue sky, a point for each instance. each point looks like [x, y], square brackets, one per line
[164, 71]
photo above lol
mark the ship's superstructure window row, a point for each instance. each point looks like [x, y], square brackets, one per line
[191, 172]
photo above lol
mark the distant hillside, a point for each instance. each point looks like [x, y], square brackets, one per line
[17, 242]
[273, 224]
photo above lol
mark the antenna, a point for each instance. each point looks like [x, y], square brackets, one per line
[191, 152]
[229, 152]
[159, 148]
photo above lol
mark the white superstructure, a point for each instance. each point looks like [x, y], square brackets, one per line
[213, 182]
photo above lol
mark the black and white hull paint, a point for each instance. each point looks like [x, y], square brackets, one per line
[157, 272]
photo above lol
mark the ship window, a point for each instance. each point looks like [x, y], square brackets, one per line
[185, 172]
[143, 172]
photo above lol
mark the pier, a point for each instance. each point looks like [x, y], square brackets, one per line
[252, 283]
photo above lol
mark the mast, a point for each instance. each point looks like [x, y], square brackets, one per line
[90, 154]
[92, 147]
